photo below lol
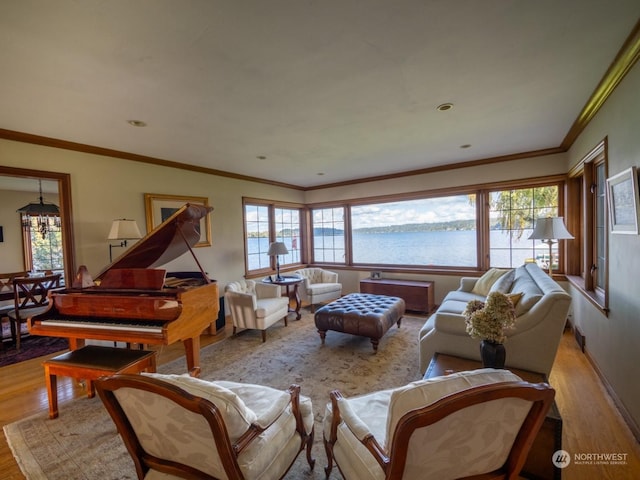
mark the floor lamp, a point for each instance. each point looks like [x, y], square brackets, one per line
[548, 230]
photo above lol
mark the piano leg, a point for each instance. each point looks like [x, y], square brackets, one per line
[192, 351]
[76, 343]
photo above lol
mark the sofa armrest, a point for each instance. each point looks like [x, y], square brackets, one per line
[329, 277]
[450, 323]
[467, 283]
[238, 299]
[264, 290]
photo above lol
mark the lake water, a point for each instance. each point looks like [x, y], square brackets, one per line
[438, 249]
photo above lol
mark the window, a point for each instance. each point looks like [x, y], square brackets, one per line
[588, 259]
[512, 216]
[287, 230]
[600, 225]
[265, 223]
[43, 251]
[256, 221]
[329, 235]
[439, 231]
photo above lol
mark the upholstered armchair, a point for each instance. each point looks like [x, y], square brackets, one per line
[255, 305]
[177, 426]
[460, 425]
[318, 286]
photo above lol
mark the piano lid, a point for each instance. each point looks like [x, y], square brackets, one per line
[168, 241]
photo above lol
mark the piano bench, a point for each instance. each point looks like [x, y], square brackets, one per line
[90, 363]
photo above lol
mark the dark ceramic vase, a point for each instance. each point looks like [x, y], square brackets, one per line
[493, 354]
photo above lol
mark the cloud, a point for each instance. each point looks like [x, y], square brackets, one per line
[429, 210]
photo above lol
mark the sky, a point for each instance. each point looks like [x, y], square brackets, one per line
[429, 210]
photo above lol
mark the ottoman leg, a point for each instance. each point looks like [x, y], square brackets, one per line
[323, 334]
[374, 342]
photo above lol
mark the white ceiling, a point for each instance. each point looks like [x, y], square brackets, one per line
[346, 88]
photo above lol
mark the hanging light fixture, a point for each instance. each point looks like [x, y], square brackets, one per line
[47, 216]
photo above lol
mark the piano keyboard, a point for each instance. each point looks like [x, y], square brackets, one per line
[131, 325]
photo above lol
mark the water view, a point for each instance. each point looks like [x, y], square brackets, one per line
[455, 248]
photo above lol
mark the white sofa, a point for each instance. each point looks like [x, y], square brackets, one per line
[541, 314]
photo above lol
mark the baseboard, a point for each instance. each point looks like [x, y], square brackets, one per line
[580, 338]
[633, 426]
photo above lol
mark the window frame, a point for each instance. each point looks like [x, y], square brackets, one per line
[582, 197]
[346, 213]
[482, 192]
[272, 206]
[559, 209]
[410, 198]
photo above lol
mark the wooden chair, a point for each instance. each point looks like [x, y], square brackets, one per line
[30, 297]
[475, 430]
[6, 296]
[177, 426]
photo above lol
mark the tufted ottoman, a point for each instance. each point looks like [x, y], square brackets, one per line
[360, 314]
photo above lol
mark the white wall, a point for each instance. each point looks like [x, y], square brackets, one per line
[613, 341]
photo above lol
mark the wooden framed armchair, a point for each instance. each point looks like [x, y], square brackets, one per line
[480, 423]
[177, 426]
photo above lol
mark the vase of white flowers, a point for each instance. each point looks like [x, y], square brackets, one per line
[489, 321]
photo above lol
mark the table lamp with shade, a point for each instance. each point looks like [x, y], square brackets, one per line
[548, 230]
[275, 250]
[122, 229]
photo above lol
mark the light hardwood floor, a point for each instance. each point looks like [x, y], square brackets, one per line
[591, 423]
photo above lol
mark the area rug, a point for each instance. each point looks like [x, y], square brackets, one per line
[31, 346]
[83, 443]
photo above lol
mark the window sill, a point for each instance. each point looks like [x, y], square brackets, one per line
[596, 299]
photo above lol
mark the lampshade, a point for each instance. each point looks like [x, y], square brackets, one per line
[123, 229]
[277, 248]
[550, 228]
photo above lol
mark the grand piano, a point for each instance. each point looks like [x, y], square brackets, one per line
[132, 301]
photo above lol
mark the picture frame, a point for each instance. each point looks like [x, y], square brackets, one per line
[159, 207]
[622, 197]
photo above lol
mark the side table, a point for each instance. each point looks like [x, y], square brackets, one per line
[288, 282]
[539, 463]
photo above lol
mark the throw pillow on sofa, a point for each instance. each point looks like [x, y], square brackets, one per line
[504, 282]
[486, 281]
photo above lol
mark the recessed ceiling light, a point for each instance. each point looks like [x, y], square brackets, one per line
[136, 123]
[444, 107]
[466, 145]
[320, 173]
[261, 157]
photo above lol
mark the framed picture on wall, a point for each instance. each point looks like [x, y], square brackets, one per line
[622, 196]
[159, 207]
